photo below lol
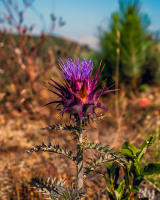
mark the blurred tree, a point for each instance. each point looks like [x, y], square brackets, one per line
[108, 43]
[132, 26]
[152, 64]
[134, 40]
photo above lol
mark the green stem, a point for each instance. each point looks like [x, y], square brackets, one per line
[117, 77]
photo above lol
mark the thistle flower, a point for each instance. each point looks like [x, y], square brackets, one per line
[79, 94]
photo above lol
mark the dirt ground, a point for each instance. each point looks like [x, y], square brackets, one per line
[20, 131]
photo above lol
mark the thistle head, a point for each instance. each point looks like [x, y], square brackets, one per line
[78, 94]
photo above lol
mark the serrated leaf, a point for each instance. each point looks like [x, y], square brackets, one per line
[111, 195]
[120, 189]
[135, 189]
[108, 183]
[108, 167]
[130, 147]
[144, 147]
[116, 177]
[151, 168]
[127, 152]
[138, 180]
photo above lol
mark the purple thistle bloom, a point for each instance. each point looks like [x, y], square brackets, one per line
[79, 93]
[76, 70]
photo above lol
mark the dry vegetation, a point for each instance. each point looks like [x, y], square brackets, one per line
[20, 130]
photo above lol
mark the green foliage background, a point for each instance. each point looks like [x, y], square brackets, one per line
[138, 47]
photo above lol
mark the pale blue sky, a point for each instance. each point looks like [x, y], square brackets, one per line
[82, 17]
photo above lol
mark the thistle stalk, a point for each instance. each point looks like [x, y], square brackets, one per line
[117, 77]
[79, 96]
[79, 160]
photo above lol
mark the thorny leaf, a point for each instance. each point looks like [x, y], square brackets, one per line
[55, 189]
[55, 149]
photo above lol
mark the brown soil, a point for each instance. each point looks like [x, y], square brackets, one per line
[20, 132]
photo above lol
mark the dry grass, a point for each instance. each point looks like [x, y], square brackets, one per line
[21, 131]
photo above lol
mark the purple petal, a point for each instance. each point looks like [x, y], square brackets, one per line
[56, 93]
[102, 106]
[53, 102]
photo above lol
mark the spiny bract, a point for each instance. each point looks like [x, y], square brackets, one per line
[79, 93]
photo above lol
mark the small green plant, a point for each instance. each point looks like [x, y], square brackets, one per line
[123, 182]
[144, 87]
[154, 180]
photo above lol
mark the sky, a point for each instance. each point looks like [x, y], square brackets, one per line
[82, 17]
